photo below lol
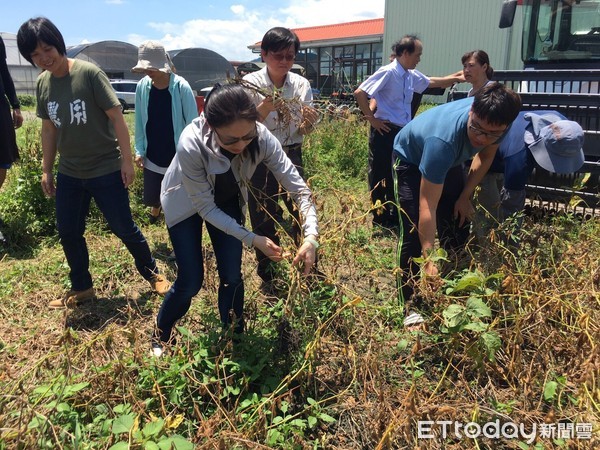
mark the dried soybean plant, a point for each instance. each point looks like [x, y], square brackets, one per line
[294, 110]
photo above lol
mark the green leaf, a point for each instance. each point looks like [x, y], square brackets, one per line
[123, 424]
[36, 422]
[478, 308]
[63, 407]
[492, 343]
[476, 326]
[326, 418]
[455, 316]
[52, 404]
[284, 407]
[523, 445]
[151, 446]
[273, 437]
[550, 390]
[299, 423]
[184, 332]
[234, 390]
[246, 403]
[153, 428]
[175, 442]
[312, 421]
[402, 345]
[123, 408]
[468, 281]
[43, 391]
[436, 256]
[74, 388]
[120, 446]
[201, 353]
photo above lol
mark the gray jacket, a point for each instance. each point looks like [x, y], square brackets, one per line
[189, 183]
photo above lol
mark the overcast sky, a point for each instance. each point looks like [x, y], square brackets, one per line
[226, 27]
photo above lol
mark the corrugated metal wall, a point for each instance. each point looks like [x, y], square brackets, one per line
[449, 28]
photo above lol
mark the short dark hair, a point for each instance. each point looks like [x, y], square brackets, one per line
[496, 104]
[406, 43]
[228, 103]
[36, 30]
[279, 38]
[482, 58]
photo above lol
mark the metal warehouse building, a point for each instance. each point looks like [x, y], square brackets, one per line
[338, 57]
[448, 29]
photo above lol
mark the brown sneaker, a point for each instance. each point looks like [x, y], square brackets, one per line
[73, 298]
[160, 284]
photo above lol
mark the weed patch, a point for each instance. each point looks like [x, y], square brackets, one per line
[511, 335]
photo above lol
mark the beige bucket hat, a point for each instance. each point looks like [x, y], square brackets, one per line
[152, 56]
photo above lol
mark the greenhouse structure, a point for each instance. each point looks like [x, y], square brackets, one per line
[21, 71]
[199, 66]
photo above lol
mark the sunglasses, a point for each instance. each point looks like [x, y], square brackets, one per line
[480, 132]
[281, 56]
[232, 141]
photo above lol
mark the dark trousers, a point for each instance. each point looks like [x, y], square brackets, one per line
[264, 209]
[186, 237]
[381, 183]
[73, 197]
[452, 237]
[152, 181]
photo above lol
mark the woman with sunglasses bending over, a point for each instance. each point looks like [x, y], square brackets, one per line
[207, 182]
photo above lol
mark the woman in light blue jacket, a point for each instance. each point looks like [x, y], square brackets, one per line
[164, 106]
[207, 181]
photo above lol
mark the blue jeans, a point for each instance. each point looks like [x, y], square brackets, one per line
[73, 196]
[186, 237]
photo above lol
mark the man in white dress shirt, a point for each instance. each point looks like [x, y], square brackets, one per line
[392, 87]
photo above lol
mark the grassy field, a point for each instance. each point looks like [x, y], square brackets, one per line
[512, 336]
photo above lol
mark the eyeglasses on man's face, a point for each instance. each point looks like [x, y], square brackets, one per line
[478, 131]
[280, 56]
[235, 140]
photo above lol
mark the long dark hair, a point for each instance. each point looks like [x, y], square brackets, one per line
[228, 103]
[482, 58]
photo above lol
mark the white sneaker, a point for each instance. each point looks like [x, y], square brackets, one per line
[414, 318]
[157, 350]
